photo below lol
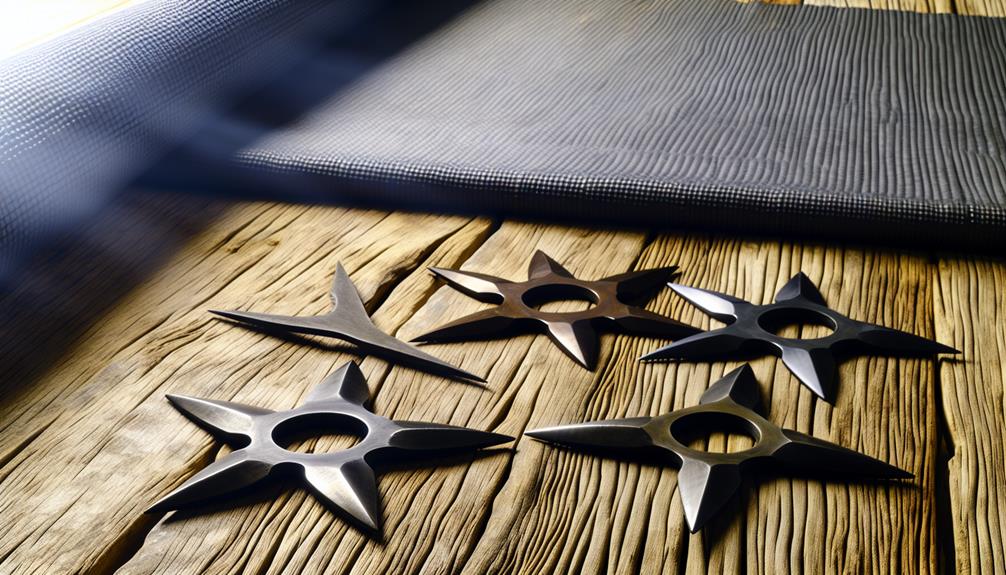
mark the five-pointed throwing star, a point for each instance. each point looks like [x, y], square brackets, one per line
[706, 480]
[344, 480]
[812, 361]
[574, 332]
[349, 321]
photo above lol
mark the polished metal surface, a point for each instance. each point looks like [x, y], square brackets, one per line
[617, 300]
[706, 480]
[349, 321]
[812, 361]
[344, 480]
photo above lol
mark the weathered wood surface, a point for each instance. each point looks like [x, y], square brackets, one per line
[995, 8]
[970, 304]
[91, 442]
[87, 441]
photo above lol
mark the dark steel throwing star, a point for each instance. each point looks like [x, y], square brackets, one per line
[349, 321]
[707, 480]
[344, 480]
[812, 361]
[576, 333]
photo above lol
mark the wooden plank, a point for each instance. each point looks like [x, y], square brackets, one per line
[926, 6]
[559, 511]
[565, 512]
[994, 8]
[72, 497]
[433, 517]
[969, 315]
[89, 442]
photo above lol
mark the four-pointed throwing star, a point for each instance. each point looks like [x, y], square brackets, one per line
[349, 321]
[706, 480]
[344, 480]
[812, 361]
[574, 332]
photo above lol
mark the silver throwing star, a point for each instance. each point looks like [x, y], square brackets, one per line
[576, 332]
[812, 361]
[706, 481]
[343, 480]
[348, 321]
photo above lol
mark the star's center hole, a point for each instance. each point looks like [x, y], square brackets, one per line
[715, 432]
[319, 433]
[560, 298]
[797, 323]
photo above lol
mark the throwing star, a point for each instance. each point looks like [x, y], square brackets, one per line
[812, 361]
[343, 480]
[706, 481]
[574, 332]
[349, 321]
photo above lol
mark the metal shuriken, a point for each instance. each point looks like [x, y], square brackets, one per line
[574, 332]
[344, 480]
[706, 481]
[812, 361]
[349, 321]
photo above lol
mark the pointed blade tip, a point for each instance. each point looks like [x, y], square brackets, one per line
[561, 434]
[373, 524]
[542, 434]
[481, 439]
[493, 438]
[234, 315]
[902, 474]
[157, 507]
[471, 377]
[658, 355]
[180, 402]
[164, 504]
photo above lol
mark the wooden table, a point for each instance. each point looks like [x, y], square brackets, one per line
[98, 334]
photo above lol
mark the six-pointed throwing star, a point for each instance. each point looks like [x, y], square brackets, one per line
[349, 321]
[344, 480]
[706, 480]
[812, 361]
[574, 332]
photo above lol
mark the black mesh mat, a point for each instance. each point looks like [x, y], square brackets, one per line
[859, 124]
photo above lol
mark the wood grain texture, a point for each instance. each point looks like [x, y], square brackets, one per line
[994, 8]
[75, 483]
[433, 517]
[74, 492]
[969, 315]
[566, 512]
[925, 6]
[87, 441]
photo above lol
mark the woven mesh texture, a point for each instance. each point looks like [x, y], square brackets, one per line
[858, 124]
[861, 124]
[84, 114]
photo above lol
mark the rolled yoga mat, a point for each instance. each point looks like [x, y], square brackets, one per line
[83, 115]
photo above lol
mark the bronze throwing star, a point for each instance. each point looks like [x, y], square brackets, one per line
[343, 480]
[812, 361]
[349, 321]
[614, 300]
[706, 480]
